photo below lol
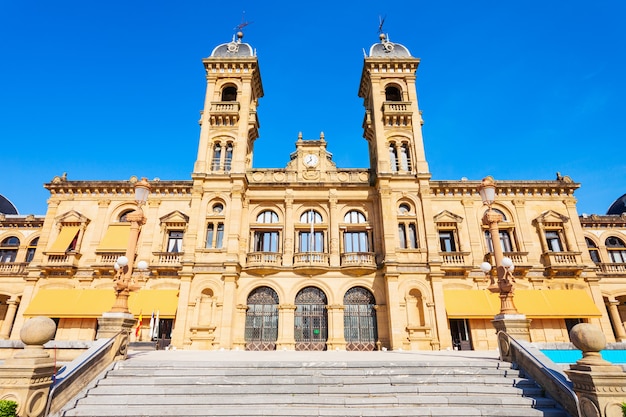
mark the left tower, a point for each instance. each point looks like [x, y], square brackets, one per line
[229, 124]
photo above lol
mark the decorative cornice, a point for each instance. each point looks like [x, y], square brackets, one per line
[510, 189]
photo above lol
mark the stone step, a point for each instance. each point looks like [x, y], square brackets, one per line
[317, 388]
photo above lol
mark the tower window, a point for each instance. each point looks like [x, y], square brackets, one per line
[229, 94]
[393, 93]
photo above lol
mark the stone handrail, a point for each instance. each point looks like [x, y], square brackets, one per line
[553, 382]
[76, 375]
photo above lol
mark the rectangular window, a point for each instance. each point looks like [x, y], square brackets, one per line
[214, 235]
[175, 242]
[311, 243]
[355, 242]
[446, 241]
[407, 234]
[266, 241]
[554, 241]
[505, 241]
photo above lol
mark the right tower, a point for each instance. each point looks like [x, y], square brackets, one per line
[393, 123]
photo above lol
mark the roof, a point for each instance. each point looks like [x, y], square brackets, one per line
[618, 207]
[233, 49]
[6, 207]
[388, 49]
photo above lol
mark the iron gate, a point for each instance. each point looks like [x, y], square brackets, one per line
[262, 319]
[311, 320]
[359, 320]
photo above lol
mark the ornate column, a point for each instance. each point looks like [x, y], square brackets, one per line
[620, 335]
[286, 320]
[336, 337]
[5, 331]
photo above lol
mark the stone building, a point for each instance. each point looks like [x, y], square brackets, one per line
[313, 256]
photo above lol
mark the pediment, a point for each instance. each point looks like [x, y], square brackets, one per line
[72, 216]
[551, 216]
[447, 217]
[175, 217]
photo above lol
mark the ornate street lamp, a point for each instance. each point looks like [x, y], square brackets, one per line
[123, 281]
[504, 265]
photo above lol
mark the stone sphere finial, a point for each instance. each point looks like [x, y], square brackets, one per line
[591, 341]
[38, 331]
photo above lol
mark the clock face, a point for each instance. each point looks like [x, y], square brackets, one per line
[310, 160]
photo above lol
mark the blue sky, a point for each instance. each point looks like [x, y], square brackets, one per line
[514, 89]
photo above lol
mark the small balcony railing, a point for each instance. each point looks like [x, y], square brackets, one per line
[358, 263]
[397, 113]
[563, 263]
[61, 263]
[264, 263]
[612, 268]
[224, 113]
[310, 263]
[13, 268]
[454, 259]
[167, 258]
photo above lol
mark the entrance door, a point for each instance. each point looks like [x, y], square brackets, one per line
[459, 328]
[262, 319]
[311, 320]
[359, 319]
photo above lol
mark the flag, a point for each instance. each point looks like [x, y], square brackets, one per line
[138, 329]
[155, 335]
[151, 324]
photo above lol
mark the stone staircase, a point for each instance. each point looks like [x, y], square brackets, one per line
[285, 387]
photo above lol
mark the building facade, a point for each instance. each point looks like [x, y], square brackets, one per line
[312, 256]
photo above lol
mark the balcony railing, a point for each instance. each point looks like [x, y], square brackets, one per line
[358, 259]
[563, 263]
[13, 268]
[397, 113]
[613, 268]
[61, 263]
[310, 258]
[224, 113]
[167, 258]
[265, 258]
[454, 258]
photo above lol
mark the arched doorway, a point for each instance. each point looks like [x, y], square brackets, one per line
[262, 319]
[359, 319]
[311, 319]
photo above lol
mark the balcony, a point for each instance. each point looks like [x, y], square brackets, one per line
[397, 113]
[224, 113]
[456, 263]
[60, 263]
[264, 263]
[612, 269]
[105, 261]
[358, 263]
[310, 263]
[13, 268]
[563, 263]
[166, 263]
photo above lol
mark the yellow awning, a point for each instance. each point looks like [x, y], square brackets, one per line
[64, 239]
[115, 239]
[147, 301]
[91, 303]
[533, 303]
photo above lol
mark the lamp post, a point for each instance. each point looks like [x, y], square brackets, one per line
[508, 320]
[504, 265]
[123, 281]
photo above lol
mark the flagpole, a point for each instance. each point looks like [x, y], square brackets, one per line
[311, 237]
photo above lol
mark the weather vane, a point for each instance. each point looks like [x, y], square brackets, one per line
[243, 23]
[381, 23]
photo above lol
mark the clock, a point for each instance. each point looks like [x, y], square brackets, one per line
[310, 160]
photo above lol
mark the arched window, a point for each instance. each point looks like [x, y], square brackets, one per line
[616, 249]
[228, 157]
[32, 247]
[354, 216]
[261, 330]
[310, 238]
[8, 249]
[215, 227]
[506, 231]
[407, 227]
[217, 157]
[393, 93]
[264, 239]
[359, 319]
[311, 319]
[229, 93]
[593, 250]
[267, 216]
[393, 157]
[405, 157]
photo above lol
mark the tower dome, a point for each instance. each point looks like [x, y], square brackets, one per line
[234, 48]
[388, 49]
[618, 207]
[6, 207]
